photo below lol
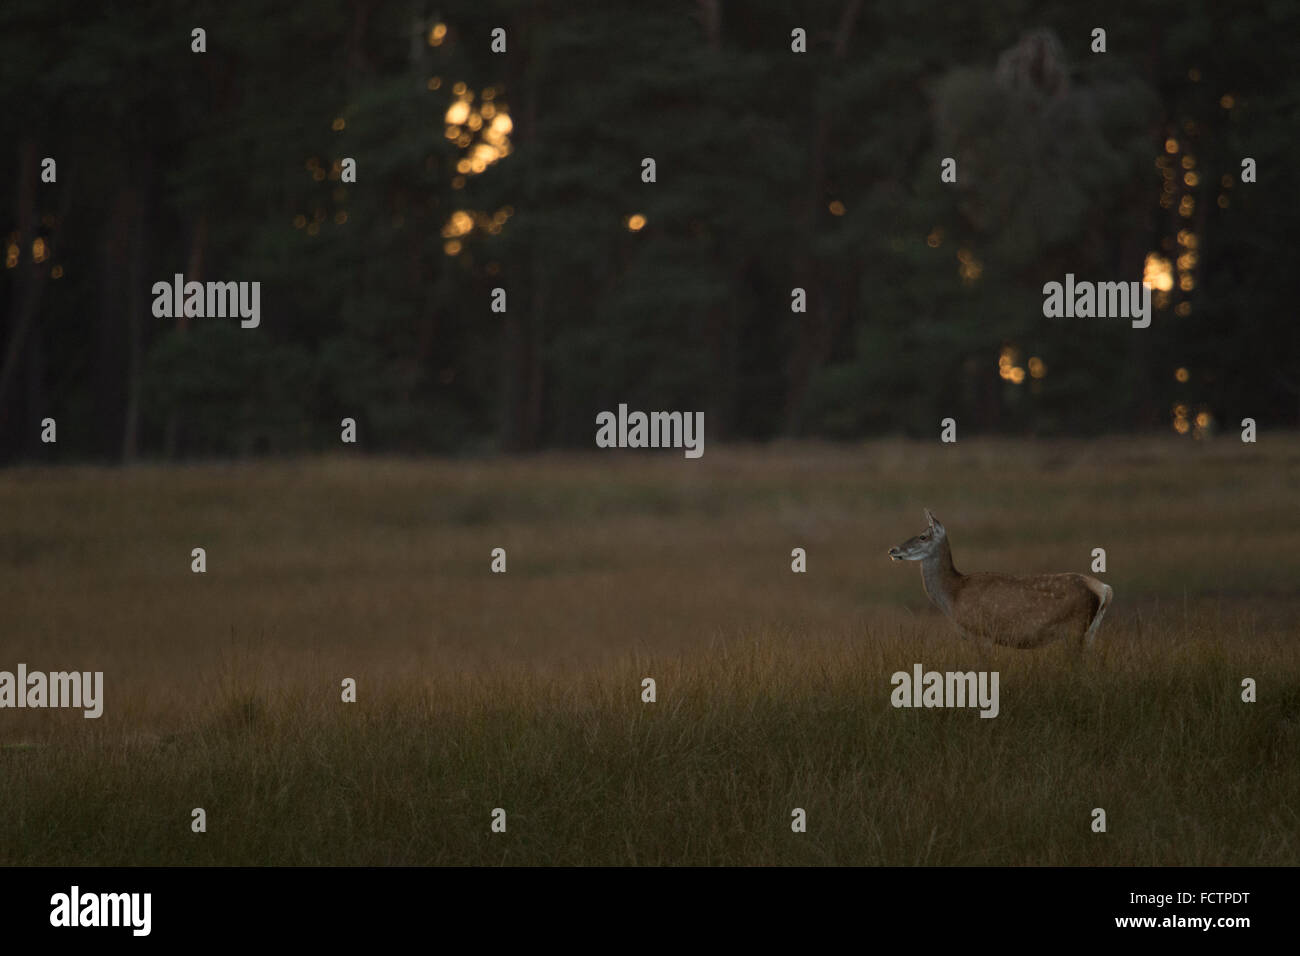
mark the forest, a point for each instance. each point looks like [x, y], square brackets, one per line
[458, 248]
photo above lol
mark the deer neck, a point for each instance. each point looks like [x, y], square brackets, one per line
[940, 577]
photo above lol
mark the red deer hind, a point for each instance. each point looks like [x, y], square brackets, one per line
[1012, 610]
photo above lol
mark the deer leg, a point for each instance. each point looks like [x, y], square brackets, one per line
[983, 645]
[1104, 593]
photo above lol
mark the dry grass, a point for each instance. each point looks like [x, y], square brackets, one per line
[522, 690]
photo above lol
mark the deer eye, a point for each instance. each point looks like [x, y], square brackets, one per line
[926, 536]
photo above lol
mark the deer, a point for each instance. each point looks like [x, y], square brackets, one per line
[1022, 611]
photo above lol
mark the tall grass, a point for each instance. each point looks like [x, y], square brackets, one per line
[523, 691]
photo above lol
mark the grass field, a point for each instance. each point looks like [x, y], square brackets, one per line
[522, 690]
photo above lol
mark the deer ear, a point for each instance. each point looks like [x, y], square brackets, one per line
[929, 517]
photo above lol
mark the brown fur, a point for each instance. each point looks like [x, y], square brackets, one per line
[1015, 611]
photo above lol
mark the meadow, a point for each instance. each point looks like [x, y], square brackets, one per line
[523, 690]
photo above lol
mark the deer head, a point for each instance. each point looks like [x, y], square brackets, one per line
[923, 545]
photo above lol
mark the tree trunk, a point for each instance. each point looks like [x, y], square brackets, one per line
[136, 306]
[28, 286]
[815, 329]
[522, 367]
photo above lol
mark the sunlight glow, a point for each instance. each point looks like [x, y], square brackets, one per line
[1157, 272]
[457, 113]
[970, 268]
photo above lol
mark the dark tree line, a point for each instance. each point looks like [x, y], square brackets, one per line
[775, 170]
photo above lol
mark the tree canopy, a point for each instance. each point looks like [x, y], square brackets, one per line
[522, 170]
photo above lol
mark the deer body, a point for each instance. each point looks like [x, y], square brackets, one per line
[1012, 610]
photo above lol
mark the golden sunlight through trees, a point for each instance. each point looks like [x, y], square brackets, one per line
[1008, 370]
[482, 134]
[1157, 272]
